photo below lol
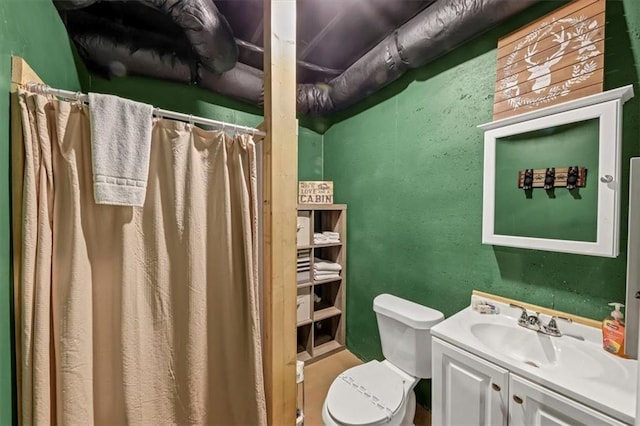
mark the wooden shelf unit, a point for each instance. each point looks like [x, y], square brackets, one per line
[321, 325]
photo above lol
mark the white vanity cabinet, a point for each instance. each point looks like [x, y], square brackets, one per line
[468, 390]
[533, 405]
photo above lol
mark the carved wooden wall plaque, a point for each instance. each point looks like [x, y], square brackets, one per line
[555, 59]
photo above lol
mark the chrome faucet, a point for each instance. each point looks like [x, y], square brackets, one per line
[532, 322]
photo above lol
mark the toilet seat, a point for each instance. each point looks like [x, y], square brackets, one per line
[369, 394]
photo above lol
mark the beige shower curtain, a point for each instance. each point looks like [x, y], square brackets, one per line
[140, 316]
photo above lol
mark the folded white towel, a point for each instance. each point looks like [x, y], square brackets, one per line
[326, 276]
[320, 273]
[327, 241]
[120, 145]
[331, 235]
[325, 265]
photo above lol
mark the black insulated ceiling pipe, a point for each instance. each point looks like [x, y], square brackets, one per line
[73, 4]
[207, 30]
[119, 57]
[438, 29]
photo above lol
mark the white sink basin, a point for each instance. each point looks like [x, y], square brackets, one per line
[595, 365]
[518, 343]
[570, 357]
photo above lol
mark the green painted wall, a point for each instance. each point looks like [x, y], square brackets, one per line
[408, 162]
[33, 30]
[310, 155]
[558, 214]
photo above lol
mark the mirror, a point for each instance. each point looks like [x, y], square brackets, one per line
[584, 220]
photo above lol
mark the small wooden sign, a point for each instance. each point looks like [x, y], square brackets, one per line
[558, 58]
[315, 192]
[563, 177]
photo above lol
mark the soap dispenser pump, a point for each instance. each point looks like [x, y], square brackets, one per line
[613, 331]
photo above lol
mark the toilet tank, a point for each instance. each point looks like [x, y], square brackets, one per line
[405, 333]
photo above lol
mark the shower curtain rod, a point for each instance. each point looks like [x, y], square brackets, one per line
[44, 89]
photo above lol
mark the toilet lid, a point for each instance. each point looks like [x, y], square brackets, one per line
[365, 395]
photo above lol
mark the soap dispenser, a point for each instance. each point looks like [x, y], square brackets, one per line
[613, 331]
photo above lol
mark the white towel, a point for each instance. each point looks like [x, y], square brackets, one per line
[325, 265]
[330, 276]
[331, 235]
[321, 273]
[120, 145]
[324, 239]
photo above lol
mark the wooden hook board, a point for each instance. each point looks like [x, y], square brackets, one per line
[561, 174]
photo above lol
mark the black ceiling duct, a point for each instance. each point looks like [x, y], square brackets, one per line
[438, 29]
[120, 50]
[200, 22]
[206, 54]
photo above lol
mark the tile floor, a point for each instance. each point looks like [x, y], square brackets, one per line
[317, 379]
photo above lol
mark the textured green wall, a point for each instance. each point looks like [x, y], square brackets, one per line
[33, 30]
[558, 214]
[408, 162]
[310, 144]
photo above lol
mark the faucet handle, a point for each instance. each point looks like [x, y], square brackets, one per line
[534, 320]
[524, 316]
[552, 327]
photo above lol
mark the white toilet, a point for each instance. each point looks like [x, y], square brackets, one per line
[381, 393]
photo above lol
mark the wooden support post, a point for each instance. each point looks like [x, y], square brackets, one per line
[280, 161]
[21, 73]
